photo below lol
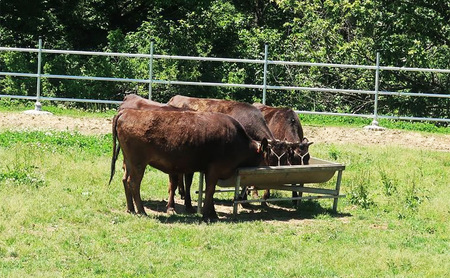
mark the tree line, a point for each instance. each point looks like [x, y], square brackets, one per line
[406, 33]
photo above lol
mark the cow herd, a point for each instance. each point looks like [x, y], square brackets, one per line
[212, 136]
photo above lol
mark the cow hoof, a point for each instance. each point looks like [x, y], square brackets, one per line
[190, 209]
[171, 211]
[142, 213]
[210, 219]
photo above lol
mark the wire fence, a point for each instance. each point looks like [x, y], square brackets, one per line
[377, 68]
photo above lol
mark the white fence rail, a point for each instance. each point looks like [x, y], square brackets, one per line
[264, 87]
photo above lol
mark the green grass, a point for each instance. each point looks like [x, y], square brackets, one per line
[60, 218]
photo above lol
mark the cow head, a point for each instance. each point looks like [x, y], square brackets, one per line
[300, 154]
[279, 153]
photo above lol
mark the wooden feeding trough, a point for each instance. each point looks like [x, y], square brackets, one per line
[288, 178]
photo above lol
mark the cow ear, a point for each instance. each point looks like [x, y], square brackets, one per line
[310, 143]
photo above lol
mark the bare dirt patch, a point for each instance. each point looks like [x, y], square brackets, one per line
[330, 135]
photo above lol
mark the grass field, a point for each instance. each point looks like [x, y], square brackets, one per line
[59, 218]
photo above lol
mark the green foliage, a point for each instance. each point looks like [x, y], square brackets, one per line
[347, 32]
[359, 196]
[389, 185]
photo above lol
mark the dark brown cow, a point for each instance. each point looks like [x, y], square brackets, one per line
[283, 122]
[249, 116]
[246, 114]
[182, 142]
[285, 125]
[133, 101]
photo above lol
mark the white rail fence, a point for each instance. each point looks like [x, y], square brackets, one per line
[377, 68]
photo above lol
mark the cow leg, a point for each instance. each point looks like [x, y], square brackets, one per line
[187, 196]
[266, 196]
[181, 190]
[135, 177]
[125, 181]
[244, 195]
[296, 203]
[295, 195]
[173, 184]
[208, 211]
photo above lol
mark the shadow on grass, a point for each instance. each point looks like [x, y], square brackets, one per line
[278, 211]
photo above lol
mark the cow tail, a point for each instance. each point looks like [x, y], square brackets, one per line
[116, 147]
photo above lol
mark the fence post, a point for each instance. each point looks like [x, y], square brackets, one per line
[37, 105]
[374, 125]
[266, 54]
[150, 70]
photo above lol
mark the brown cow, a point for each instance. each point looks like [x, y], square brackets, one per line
[246, 114]
[182, 142]
[283, 122]
[285, 125]
[133, 101]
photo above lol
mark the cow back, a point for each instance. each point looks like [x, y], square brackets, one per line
[247, 115]
[133, 101]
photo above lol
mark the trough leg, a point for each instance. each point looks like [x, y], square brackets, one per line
[236, 196]
[338, 187]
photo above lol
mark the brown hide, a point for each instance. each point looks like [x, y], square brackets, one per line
[133, 101]
[246, 114]
[178, 142]
[283, 122]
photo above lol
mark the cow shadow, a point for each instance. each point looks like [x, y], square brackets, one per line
[279, 211]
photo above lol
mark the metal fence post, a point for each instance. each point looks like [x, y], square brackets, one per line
[266, 54]
[374, 125]
[377, 78]
[150, 70]
[37, 105]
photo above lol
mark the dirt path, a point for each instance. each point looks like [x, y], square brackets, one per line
[337, 135]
